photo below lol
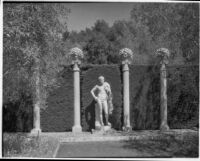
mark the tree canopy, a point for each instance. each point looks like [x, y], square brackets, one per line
[32, 38]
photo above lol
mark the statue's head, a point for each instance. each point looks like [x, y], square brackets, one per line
[101, 79]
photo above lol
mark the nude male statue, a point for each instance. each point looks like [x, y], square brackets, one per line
[104, 101]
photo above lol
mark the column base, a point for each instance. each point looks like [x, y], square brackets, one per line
[164, 127]
[36, 131]
[127, 128]
[77, 129]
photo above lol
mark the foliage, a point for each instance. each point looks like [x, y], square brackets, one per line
[171, 25]
[183, 96]
[18, 115]
[32, 32]
[21, 145]
[151, 26]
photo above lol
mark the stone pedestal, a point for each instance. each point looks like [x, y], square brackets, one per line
[97, 118]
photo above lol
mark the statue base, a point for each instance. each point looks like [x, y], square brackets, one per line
[100, 129]
[106, 128]
[127, 128]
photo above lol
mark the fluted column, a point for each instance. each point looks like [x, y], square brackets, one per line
[126, 56]
[76, 54]
[163, 54]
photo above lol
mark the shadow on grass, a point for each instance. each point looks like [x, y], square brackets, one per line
[166, 146]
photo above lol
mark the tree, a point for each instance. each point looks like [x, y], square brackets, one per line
[171, 25]
[31, 34]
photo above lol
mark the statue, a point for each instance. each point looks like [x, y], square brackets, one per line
[103, 96]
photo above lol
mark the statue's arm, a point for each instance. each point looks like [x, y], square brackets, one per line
[108, 88]
[92, 92]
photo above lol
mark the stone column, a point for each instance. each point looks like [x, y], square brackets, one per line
[76, 54]
[164, 54]
[126, 56]
[36, 111]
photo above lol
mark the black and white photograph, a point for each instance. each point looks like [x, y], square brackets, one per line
[99, 80]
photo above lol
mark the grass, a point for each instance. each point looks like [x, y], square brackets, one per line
[187, 146]
[22, 145]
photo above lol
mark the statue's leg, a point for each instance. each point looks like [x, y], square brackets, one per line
[100, 111]
[105, 108]
[97, 117]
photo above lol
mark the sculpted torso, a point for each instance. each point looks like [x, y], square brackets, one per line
[101, 92]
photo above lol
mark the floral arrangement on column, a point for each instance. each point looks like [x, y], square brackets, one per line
[126, 55]
[163, 54]
[76, 54]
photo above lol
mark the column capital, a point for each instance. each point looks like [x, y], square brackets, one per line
[163, 54]
[126, 55]
[76, 55]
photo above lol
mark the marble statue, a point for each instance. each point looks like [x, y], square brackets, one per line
[103, 96]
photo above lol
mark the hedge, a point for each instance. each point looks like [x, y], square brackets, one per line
[182, 84]
[144, 97]
[58, 116]
[90, 74]
[183, 96]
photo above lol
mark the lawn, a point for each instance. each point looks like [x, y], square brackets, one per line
[167, 145]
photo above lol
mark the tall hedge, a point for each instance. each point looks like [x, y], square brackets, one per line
[183, 96]
[144, 97]
[90, 74]
[182, 93]
[58, 116]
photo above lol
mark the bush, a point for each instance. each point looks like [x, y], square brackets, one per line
[18, 115]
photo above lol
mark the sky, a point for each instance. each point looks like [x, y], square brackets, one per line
[85, 14]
